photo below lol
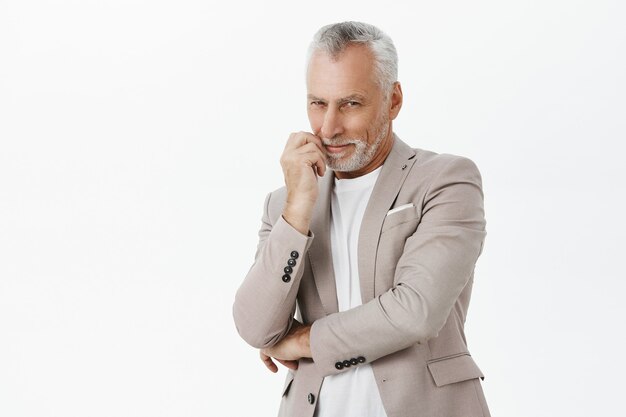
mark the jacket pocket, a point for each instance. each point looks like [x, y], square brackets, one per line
[397, 218]
[288, 381]
[455, 368]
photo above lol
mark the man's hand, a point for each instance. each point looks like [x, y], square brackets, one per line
[267, 360]
[295, 345]
[302, 161]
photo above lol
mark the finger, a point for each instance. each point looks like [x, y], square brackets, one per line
[320, 165]
[318, 160]
[298, 139]
[317, 165]
[271, 365]
[289, 364]
[310, 147]
[314, 158]
[311, 138]
[268, 362]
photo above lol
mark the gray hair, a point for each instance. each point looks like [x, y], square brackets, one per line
[333, 39]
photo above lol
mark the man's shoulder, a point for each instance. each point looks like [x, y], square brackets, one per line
[430, 161]
[430, 164]
[430, 170]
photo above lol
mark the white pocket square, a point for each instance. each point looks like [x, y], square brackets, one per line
[400, 208]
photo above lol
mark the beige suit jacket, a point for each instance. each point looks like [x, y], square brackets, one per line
[416, 268]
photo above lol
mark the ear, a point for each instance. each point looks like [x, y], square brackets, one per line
[396, 101]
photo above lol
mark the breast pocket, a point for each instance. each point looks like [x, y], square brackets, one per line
[403, 215]
[396, 229]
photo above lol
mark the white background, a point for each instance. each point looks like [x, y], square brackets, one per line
[139, 139]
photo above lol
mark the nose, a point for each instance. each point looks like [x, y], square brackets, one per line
[332, 124]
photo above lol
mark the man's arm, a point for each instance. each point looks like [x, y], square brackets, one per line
[437, 262]
[266, 300]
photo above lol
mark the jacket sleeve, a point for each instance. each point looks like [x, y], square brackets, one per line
[265, 302]
[436, 264]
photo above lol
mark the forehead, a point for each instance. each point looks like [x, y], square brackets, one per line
[352, 72]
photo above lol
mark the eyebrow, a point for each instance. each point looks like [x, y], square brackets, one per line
[351, 97]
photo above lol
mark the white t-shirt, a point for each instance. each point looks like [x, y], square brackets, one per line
[352, 393]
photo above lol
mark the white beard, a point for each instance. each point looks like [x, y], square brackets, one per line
[363, 152]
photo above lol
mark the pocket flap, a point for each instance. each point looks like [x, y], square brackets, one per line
[454, 369]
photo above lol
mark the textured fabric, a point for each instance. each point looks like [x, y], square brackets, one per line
[416, 272]
[353, 393]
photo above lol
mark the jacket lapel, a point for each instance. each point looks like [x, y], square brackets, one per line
[320, 253]
[390, 180]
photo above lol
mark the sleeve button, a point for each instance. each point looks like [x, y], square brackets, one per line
[286, 278]
[288, 270]
[291, 262]
[346, 364]
[354, 361]
[339, 365]
[295, 254]
[361, 359]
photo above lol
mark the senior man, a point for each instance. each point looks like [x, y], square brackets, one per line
[372, 245]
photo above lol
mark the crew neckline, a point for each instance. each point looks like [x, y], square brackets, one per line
[358, 183]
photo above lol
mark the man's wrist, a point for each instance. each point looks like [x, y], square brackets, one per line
[305, 341]
[298, 217]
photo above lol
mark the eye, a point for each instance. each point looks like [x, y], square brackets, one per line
[352, 103]
[316, 103]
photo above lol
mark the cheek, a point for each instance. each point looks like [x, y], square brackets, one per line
[378, 122]
[358, 125]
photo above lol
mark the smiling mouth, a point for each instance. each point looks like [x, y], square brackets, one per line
[336, 148]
